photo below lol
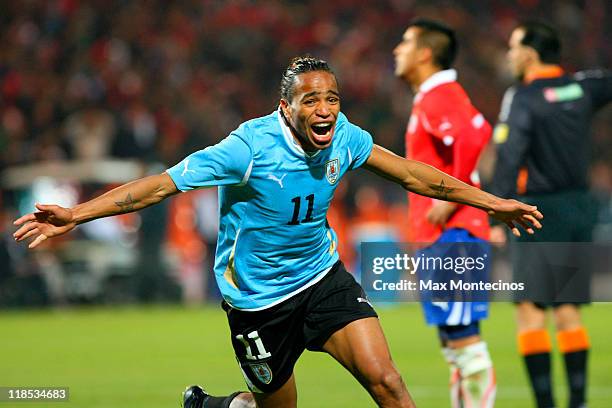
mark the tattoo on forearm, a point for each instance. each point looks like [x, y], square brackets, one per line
[442, 190]
[127, 204]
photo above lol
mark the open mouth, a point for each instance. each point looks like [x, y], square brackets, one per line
[322, 132]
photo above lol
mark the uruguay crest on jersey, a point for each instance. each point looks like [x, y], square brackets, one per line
[331, 171]
[262, 372]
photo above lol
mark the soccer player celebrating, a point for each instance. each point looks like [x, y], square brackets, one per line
[447, 132]
[284, 288]
[543, 151]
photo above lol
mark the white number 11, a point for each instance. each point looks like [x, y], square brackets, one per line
[261, 350]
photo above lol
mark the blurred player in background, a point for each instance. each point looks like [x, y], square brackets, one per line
[447, 132]
[284, 287]
[543, 153]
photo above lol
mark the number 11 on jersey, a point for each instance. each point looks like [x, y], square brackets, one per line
[296, 209]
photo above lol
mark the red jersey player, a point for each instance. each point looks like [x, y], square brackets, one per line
[447, 132]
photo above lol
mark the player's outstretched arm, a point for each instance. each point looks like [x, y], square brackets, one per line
[426, 180]
[53, 220]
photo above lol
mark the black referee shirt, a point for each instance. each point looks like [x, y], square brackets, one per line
[544, 127]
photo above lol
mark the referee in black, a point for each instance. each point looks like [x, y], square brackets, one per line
[543, 154]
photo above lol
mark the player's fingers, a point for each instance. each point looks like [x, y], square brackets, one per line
[39, 239]
[527, 207]
[513, 228]
[30, 234]
[525, 226]
[18, 235]
[538, 215]
[533, 220]
[43, 216]
[25, 218]
[46, 207]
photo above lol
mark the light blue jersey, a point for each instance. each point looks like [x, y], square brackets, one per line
[274, 240]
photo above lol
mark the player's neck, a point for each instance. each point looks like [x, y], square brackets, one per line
[421, 75]
[309, 150]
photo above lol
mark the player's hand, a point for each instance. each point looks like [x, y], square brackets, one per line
[49, 221]
[440, 212]
[513, 213]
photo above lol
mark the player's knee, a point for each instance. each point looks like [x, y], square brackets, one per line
[392, 379]
[473, 359]
[386, 383]
[567, 317]
[530, 317]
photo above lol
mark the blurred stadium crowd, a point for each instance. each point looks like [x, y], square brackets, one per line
[151, 81]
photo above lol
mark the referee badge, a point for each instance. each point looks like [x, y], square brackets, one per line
[262, 372]
[332, 171]
[500, 133]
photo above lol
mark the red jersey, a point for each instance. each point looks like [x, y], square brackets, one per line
[447, 132]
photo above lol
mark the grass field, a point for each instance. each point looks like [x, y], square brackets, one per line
[144, 357]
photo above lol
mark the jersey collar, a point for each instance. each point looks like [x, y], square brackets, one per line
[437, 79]
[554, 71]
[290, 140]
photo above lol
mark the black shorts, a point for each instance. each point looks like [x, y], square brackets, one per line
[553, 274]
[269, 342]
[554, 263]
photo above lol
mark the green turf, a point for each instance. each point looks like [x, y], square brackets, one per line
[143, 357]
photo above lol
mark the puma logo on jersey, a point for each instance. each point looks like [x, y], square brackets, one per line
[363, 300]
[186, 169]
[278, 180]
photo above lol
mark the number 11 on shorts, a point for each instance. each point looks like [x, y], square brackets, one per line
[254, 338]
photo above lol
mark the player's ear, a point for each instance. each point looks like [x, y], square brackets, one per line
[285, 108]
[532, 54]
[425, 54]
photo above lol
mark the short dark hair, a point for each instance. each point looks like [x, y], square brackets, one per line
[542, 38]
[440, 38]
[300, 65]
